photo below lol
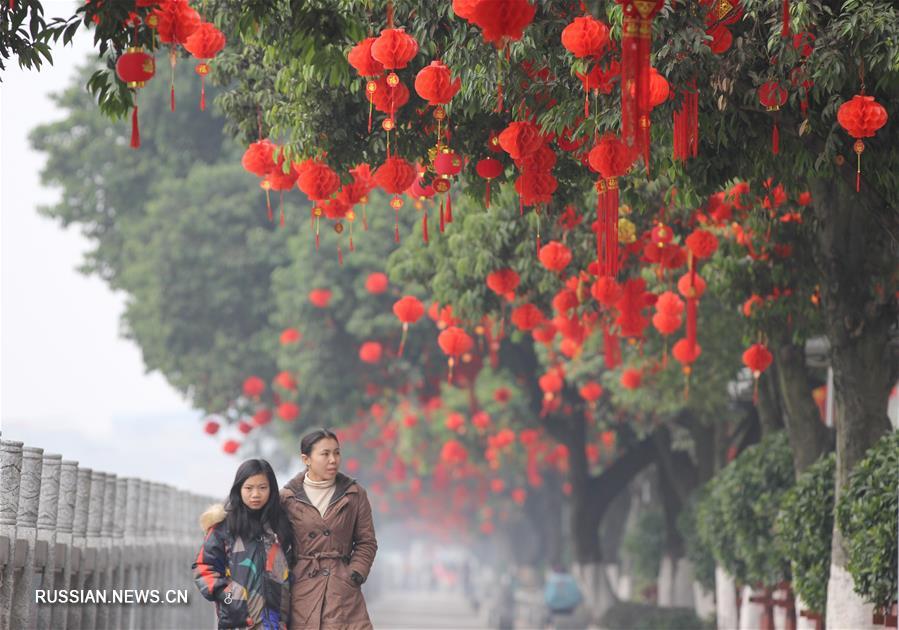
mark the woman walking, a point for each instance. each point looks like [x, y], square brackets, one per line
[243, 565]
[331, 517]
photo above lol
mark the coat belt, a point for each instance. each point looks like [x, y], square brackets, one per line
[323, 555]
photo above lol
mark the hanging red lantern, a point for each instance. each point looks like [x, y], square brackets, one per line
[361, 59]
[528, 317]
[684, 354]
[861, 117]
[555, 256]
[230, 446]
[636, 45]
[659, 90]
[370, 352]
[536, 188]
[175, 21]
[551, 383]
[389, 97]
[262, 417]
[585, 37]
[503, 281]
[289, 336]
[701, 243]
[502, 21]
[435, 84]
[611, 157]
[540, 161]
[288, 411]
[757, 358]
[318, 181]
[135, 68]
[278, 180]
[395, 176]
[591, 391]
[211, 427]
[773, 96]
[408, 310]
[320, 298]
[489, 169]
[394, 48]
[259, 157]
[669, 309]
[447, 163]
[204, 43]
[520, 139]
[454, 342]
[286, 381]
[631, 378]
[376, 283]
[253, 387]
[606, 291]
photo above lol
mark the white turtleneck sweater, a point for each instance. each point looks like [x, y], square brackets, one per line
[319, 493]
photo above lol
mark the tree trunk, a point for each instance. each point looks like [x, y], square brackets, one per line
[856, 258]
[769, 408]
[808, 436]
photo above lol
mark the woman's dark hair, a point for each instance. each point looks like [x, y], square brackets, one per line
[311, 439]
[247, 523]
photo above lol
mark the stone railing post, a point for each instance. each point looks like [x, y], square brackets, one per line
[26, 530]
[117, 558]
[104, 551]
[92, 546]
[68, 490]
[45, 551]
[130, 552]
[10, 479]
[79, 537]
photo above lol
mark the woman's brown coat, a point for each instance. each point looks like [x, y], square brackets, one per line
[330, 548]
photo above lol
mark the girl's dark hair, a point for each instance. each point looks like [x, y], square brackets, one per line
[247, 523]
[311, 439]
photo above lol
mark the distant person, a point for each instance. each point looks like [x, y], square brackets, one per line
[243, 565]
[561, 593]
[332, 520]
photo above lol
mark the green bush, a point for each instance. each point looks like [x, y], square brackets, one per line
[644, 544]
[697, 552]
[632, 616]
[736, 518]
[804, 529]
[866, 516]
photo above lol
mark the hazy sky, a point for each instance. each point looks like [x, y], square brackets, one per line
[68, 382]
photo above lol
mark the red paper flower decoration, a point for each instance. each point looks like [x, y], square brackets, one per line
[454, 341]
[320, 298]
[376, 283]
[389, 98]
[288, 411]
[585, 37]
[691, 285]
[702, 243]
[658, 88]
[394, 48]
[555, 256]
[211, 427]
[536, 188]
[611, 157]
[607, 291]
[253, 387]
[175, 21]
[370, 352]
[861, 117]
[408, 309]
[591, 391]
[361, 59]
[520, 139]
[259, 158]
[230, 446]
[290, 336]
[631, 378]
[502, 21]
[681, 351]
[205, 42]
[528, 317]
[435, 84]
[286, 380]
[262, 417]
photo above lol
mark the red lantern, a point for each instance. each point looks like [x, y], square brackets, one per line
[290, 336]
[535, 188]
[262, 417]
[320, 298]
[376, 283]
[631, 378]
[175, 21]
[447, 163]
[684, 354]
[288, 411]
[701, 243]
[489, 168]
[408, 310]
[211, 427]
[502, 21]
[503, 281]
[722, 39]
[253, 387]
[370, 352]
[230, 446]
[591, 391]
[611, 158]
[259, 157]
[318, 181]
[435, 84]
[394, 48]
[135, 68]
[555, 256]
[528, 317]
[464, 8]
[607, 291]
[395, 175]
[361, 59]
[520, 139]
[585, 37]
[772, 95]
[454, 342]
[659, 91]
[861, 117]
[757, 358]
[204, 43]
[286, 381]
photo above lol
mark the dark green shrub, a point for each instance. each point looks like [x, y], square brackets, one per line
[632, 616]
[644, 544]
[804, 529]
[866, 516]
[736, 518]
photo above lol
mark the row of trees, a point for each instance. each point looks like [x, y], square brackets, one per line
[800, 255]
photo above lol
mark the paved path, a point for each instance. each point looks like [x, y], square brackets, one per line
[404, 610]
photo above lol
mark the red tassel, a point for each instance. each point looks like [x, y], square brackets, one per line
[692, 310]
[449, 209]
[686, 127]
[317, 241]
[775, 139]
[352, 246]
[370, 106]
[268, 205]
[172, 97]
[785, 29]
[487, 195]
[442, 217]
[396, 227]
[586, 103]
[538, 246]
[135, 129]
[202, 93]
[282, 208]
[424, 227]
[339, 256]
[520, 206]
[173, 59]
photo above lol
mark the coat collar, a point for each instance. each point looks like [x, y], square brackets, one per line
[343, 485]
